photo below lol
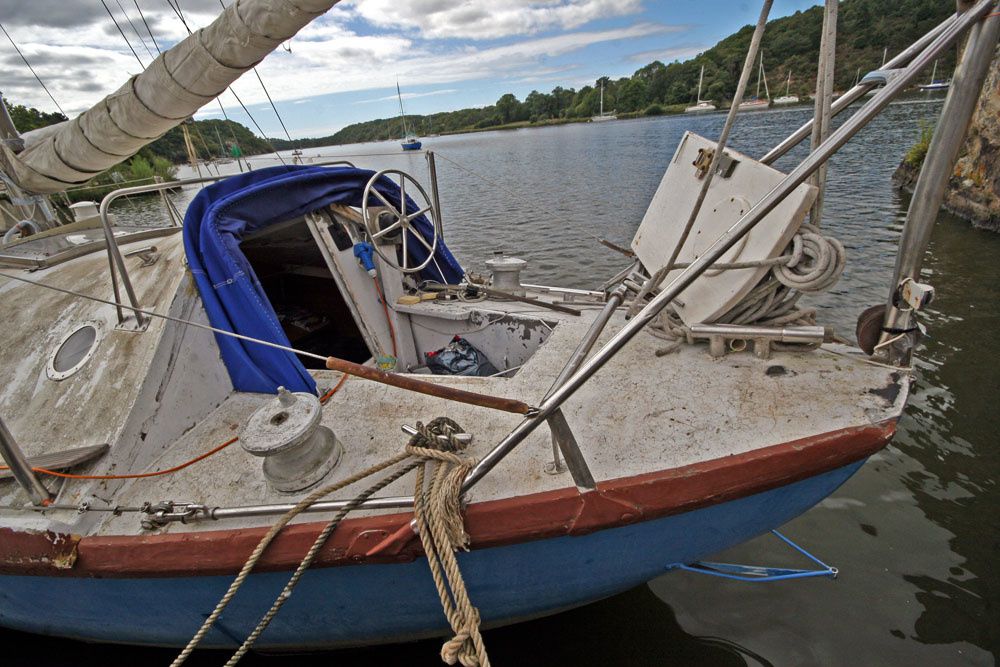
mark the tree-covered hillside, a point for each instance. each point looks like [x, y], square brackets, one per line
[791, 45]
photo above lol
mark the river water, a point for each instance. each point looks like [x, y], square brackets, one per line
[913, 534]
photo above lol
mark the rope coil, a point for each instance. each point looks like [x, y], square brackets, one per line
[438, 513]
[811, 263]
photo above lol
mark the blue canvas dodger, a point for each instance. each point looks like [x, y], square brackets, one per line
[215, 224]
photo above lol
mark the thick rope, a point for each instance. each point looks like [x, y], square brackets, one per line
[812, 263]
[438, 512]
[258, 552]
[439, 519]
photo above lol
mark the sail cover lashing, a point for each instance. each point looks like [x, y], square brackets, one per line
[177, 83]
[218, 219]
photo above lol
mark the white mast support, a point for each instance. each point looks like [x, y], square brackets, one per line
[823, 108]
[178, 83]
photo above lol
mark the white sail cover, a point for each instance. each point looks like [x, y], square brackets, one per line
[174, 86]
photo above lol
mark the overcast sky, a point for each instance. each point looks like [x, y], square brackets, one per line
[342, 68]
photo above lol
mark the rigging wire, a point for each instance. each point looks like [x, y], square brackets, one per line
[273, 107]
[169, 318]
[176, 6]
[134, 29]
[122, 33]
[157, 46]
[37, 78]
[136, 2]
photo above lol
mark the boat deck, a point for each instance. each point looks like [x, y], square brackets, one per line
[641, 414]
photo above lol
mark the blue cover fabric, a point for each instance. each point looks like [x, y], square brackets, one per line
[223, 213]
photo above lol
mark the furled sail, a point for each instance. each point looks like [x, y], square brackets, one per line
[174, 86]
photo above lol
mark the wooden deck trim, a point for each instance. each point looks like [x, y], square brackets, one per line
[388, 539]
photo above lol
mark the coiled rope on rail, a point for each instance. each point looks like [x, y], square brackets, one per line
[811, 263]
[437, 510]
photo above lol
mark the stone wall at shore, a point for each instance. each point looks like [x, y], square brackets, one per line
[974, 192]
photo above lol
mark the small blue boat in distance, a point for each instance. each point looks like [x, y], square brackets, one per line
[410, 141]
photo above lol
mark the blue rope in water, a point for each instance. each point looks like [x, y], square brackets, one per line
[758, 573]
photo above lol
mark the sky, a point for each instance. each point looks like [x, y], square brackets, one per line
[343, 67]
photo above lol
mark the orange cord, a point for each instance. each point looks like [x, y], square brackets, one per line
[385, 309]
[143, 475]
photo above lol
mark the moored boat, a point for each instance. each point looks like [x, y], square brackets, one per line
[738, 410]
[700, 105]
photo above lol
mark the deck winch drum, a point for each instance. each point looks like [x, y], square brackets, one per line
[298, 451]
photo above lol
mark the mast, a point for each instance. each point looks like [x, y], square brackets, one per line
[763, 74]
[222, 146]
[788, 83]
[402, 115]
[701, 77]
[760, 71]
[934, 72]
[602, 98]
[885, 54]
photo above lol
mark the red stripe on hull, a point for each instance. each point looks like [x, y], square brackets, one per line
[387, 538]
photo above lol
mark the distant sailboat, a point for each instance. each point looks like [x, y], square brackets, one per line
[603, 116]
[410, 141]
[701, 105]
[935, 84]
[787, 98]
[756, 103]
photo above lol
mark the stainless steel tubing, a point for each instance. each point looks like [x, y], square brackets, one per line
[21, 469]
[798, 334]
[726, 241]
[937, 169]
[615, 299]
[561, 432]
[857, 92]
[432, 169]
[394, 502]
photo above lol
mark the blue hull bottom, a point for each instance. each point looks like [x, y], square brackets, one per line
[412, 146]
[369, 604]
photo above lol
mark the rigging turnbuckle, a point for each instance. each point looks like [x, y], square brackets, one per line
[162, 513]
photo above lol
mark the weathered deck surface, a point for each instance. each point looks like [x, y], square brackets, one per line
[162, 397]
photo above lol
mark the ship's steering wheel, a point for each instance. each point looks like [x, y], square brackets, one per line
[401, 221]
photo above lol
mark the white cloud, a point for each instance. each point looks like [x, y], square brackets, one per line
[682, 52]
[410, 96]
[489, 19]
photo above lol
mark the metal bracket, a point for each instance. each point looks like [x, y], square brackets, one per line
[147, 254]
[168, 511]
[759, 573]
[562, 435]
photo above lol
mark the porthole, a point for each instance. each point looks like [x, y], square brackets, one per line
[75, 349]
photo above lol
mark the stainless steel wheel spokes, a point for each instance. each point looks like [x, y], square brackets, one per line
[400, 222]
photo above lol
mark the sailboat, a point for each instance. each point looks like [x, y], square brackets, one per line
[602, 116]
[410, 141]
[201, 404]
[756, 103]
[701, 105]
[787, 98]
[934, 84]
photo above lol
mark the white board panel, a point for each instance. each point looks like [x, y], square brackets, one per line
[715, 292]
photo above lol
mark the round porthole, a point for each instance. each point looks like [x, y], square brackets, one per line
[74, 351]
